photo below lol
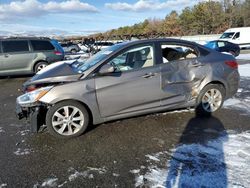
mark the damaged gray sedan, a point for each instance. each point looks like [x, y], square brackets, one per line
[128, 79]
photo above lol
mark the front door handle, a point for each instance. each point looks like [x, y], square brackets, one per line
[149, 75]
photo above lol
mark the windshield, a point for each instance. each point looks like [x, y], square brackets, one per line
[228, 35]
[95, 59]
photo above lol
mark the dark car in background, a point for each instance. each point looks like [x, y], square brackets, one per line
[26, 55]
[70, 47]
[224, 46]
[128, 79]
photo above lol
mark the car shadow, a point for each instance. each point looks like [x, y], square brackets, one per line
[198, 159]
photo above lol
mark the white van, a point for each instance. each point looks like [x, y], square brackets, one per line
[240, 35]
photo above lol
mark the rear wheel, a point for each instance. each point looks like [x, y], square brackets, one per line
[211, 99]
[67, 119]
[39, 66]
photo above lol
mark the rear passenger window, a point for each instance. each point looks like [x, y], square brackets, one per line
[39, 45]
[15, 46]
[176, 52]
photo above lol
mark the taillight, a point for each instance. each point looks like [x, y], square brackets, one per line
[232, 64]
[57, 53]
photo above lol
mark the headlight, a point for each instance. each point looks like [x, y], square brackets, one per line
[34, 96]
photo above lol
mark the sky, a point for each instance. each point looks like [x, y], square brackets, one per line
[80, 17]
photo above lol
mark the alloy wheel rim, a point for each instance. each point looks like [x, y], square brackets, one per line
[68, 120]
[211, 101]
[40, 67]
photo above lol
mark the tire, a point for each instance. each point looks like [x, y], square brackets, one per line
[60, 119]
[39, 66]
[205, 105]
[73, 51]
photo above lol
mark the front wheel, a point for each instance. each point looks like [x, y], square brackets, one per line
[67, 119]
[210, 99]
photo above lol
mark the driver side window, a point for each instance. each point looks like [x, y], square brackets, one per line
[135, 58]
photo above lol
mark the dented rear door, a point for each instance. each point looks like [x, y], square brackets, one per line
[181, 79]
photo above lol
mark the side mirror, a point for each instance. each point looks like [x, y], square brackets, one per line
[106, 69]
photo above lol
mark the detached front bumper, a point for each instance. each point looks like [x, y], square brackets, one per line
[35, 115]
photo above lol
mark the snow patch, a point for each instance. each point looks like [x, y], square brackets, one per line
[223, 162]
[24, 132]
[241, 101]
[116, 175]
[178, 111]
[1, 130]
[22, 151]
[152, 158]
[244, 57]
[136, 171]
[237, 104]
[244, 70]
[61, 185]
[239, 90]
[86, 173]
[51, 182]
[15, 125]
[3, 185]
[77, 174]
[99, 170]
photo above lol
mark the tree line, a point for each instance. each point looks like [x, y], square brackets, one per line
[210, 17]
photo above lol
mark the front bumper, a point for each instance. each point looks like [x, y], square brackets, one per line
[35, 115]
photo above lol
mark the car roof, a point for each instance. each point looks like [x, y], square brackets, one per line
[161, 40]
[134, 42]
[237, 29]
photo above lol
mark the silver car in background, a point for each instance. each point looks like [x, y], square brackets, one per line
[128, 79]
[27, 55]
[70, 47]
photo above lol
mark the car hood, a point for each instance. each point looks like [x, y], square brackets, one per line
[58, 72]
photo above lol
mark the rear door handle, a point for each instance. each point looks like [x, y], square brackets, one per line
[149, 75]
